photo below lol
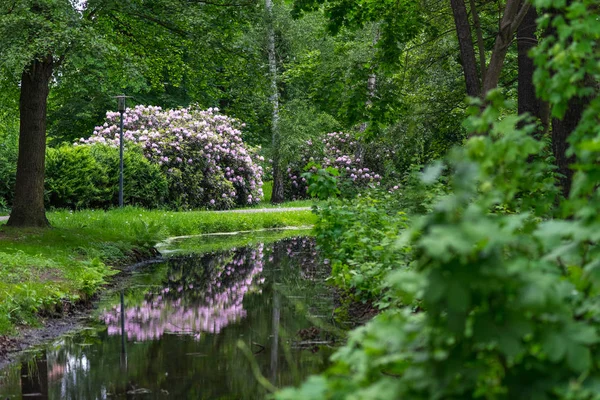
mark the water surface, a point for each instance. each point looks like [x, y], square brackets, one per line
[198, 326]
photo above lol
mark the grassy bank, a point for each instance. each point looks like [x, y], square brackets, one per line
[42, 272]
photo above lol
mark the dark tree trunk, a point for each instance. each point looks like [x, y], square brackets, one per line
[278, 195]
[28, 205]
[561, 130]
[467, 52]
[480, 43]
[527, 99]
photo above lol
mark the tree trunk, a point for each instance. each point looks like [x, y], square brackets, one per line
[277, 195]
[467, 52]
[28, 205]
[561, 130]
[514, 13]
[527, 99]
[480, 43]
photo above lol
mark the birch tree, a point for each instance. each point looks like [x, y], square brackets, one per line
[277, 196]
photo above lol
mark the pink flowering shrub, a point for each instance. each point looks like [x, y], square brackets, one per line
[338, 150]
[200, 151]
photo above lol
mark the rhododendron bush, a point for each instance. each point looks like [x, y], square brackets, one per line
[201, 152]
[339, 150]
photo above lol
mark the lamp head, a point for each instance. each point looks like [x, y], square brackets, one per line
[121, 100]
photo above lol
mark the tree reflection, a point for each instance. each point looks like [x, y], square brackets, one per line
[34, 378]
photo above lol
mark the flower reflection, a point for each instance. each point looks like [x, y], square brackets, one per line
[206, 293]
[201, 295]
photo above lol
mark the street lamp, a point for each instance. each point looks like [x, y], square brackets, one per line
[121, 106]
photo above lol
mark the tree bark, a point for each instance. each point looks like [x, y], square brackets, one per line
[28, 204]
[527, 99]
[514, 13]
[561, 130]
[480, 43]
[278, 195]
[465, 43]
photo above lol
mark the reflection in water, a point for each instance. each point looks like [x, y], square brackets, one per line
[182, 320]
[194, 300]
[34, 378]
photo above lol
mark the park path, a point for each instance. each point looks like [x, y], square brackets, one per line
[266, 210]
[245, 210]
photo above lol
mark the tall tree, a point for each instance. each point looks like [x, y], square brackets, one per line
[528, 101]
[567, 84]
[514, 13]
[28, 205]
[277, 195]
[465, 44]
[33, 37]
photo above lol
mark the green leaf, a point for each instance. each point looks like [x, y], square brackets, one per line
[554, 346]
[579, 358]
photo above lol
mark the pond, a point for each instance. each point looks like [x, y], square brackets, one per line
[220, 325]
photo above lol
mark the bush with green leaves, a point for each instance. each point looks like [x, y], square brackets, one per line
[500, 298]
[322, 182]
[144, 184]
[482, 305]
[8, 167]
[88, 177]
[358, 238]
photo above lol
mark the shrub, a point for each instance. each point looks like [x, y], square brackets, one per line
[143, 182]
[74, 179]
[201, 153]
[8, 167]
[358, 237]
[322, 182]
[88, 177]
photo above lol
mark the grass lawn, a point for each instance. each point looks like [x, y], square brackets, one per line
[44, 270]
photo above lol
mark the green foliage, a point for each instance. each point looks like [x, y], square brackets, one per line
[88, 177]
[322, 182]
[144, 184]
[301, 122]
[74, 178]
[498, 296]
[358, 237]
[400, 21]
[8, 166]
[491, 295]
[268, 191]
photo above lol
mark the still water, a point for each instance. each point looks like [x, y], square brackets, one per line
[198, 326]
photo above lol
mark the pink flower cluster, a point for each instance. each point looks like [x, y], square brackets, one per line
[341, 151]
[201, 151]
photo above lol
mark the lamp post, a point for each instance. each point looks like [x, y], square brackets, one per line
[121, 100]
